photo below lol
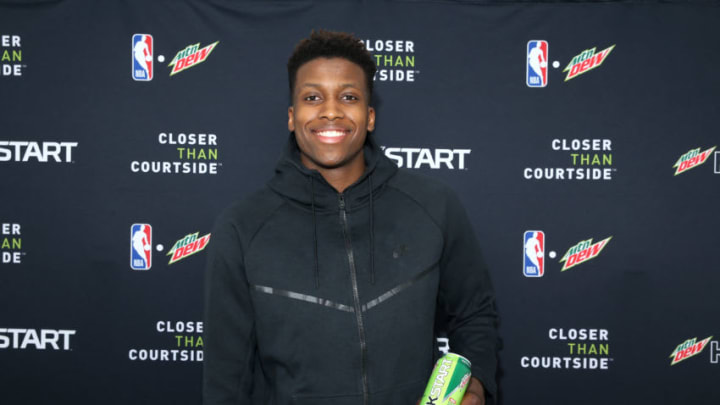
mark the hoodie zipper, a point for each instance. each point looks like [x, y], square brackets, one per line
[356, 298]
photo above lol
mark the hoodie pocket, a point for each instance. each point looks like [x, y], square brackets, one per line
[402, 394]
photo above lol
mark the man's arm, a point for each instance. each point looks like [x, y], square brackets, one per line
[466, 301]
[229, 327]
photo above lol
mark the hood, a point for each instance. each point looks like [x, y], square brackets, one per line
[308, 188]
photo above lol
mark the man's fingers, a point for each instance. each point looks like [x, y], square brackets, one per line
[472, 399]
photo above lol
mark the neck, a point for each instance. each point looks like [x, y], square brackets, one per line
[340, 177]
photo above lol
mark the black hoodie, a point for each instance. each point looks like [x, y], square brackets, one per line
[336, 298]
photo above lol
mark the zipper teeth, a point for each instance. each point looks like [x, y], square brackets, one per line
[356, 299]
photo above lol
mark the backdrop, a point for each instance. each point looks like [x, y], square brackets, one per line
[580, 136]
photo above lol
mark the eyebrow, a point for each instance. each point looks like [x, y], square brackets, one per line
[344, 85]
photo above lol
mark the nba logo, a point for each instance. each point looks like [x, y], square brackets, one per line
[537, 63]
[140, 246]
[534, 260]
[142, 57]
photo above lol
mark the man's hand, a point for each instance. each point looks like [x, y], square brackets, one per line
[475, 394]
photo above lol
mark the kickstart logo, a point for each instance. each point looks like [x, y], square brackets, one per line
[583, 252]
[11, 244]
[38, 339]
[586, 159]
[419, 158]
[443, 345]
[179, 341]
[189, 245]
[42, 152]
[11, 57]
[694, 158]
[187, 153]
[582, 349]
[395, 59]
[687, 349]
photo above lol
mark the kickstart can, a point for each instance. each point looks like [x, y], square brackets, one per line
[448, 382]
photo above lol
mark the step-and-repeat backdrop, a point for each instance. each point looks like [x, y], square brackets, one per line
[582, 138]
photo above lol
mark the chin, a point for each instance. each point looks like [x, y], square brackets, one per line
[330, 163]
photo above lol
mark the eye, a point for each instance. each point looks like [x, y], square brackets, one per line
[350, 97]
[311, 97]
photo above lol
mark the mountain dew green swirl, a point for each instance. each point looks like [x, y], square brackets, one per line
[448, 381]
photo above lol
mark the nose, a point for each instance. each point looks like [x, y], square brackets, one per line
[331, 110]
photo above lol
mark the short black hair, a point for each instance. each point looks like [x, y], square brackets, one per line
[331, 44]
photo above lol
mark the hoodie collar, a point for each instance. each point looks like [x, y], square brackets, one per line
[305, 186]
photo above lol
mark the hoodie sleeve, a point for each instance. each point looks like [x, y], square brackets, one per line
[466, 300]
[229, 347]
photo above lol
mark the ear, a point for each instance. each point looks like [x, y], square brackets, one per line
[371, 119]
[291, 120]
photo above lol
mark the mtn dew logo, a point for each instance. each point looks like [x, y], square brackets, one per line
[190, 56]
[583, 252]
[187, 246]
[693, 158]
[586, 61]
[688, 349]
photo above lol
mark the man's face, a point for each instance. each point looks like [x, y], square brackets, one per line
[330, 114]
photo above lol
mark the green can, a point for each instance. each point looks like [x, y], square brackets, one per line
[448, 382]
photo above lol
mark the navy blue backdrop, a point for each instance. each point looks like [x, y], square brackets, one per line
[580, 136]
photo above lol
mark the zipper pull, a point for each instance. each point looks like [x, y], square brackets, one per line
[341, 199]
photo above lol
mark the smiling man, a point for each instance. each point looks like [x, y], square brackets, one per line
[331, 117]
[329, 285]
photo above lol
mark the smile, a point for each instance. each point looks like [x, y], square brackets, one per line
[330, 135]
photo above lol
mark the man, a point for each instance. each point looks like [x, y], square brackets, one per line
[328, 285]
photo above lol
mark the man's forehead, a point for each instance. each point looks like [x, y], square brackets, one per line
[335, 73]
[330, 64]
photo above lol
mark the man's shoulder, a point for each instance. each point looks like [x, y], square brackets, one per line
[420, 187]
[434, 196]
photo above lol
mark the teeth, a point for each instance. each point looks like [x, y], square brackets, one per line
[331, 134]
